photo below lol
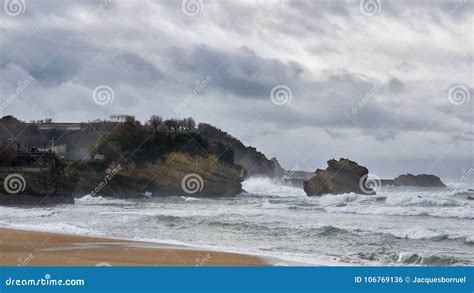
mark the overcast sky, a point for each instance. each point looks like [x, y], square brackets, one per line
[386, 83]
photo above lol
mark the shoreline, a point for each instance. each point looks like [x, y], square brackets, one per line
[33, 248]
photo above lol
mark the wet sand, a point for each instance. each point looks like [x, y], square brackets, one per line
[28, 248]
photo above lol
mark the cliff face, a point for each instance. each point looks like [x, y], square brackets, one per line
[176, 174]
[255, 162]
[152, 157]
[343, 176]
[42, 183]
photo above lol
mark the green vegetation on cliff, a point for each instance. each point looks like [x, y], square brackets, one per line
[157, 156]
[133, 142]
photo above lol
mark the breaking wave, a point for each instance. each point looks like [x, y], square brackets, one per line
[408, 258]
[92, 200]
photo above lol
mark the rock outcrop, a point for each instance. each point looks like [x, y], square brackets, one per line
[178, 174]
[343, 176]
[422, 180]
[48, 181]
[255, 162]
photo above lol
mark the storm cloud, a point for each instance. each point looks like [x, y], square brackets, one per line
[386, 87]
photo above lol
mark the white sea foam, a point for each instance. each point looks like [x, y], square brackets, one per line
[264, 186]
[189, 198]
[464, 212]
[423, 200]
[51, 227]
[88, 199]
[419, 233]
[338, 200]
[16, 212]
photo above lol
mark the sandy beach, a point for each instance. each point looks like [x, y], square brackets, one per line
[29, 248]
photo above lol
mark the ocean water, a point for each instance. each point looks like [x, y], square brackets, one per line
[398, 226]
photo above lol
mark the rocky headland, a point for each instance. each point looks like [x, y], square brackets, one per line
[175, 174]
[255, 162]
[126, 159]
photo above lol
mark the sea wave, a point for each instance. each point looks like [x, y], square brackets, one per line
[92, 200]
[464, 212]
[410, 258]
[415, 233]
[266, 187]
[190, 198]
[17, 212]
[420, 233]
[428, 260]
[424, 200]
[51, 227]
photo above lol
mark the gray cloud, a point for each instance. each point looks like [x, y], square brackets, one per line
[372, 88]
